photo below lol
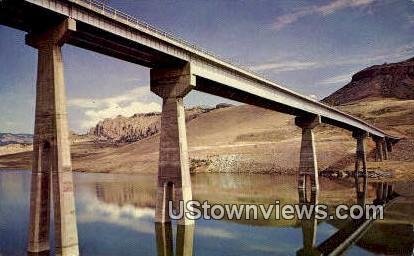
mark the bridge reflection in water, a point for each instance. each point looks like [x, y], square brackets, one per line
[116, 208]
[353, 230]
[349, 232]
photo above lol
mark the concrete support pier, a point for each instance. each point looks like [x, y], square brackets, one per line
[308, 167]
[379, 152]
[174, 183]
[389, 145]
[385, 148]
[384, 191]
[51, 148]
[360, 173]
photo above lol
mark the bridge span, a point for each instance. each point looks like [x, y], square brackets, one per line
[177, 67]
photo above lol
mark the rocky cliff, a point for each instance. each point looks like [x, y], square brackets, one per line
[127, 129]
[139, 126]
[395, 80]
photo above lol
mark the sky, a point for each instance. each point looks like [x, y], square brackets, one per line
[312, 47]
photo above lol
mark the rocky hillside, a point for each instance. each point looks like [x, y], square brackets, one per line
[127, 129]
[139, 126]
[9, 138]
[395, 80]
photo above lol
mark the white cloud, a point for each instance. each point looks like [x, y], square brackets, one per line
[286, 19]
[342, 4]
[284, 66]
[215, 232]
[337, 79]
[139, 219]
[327, 9]
[126, 104]
[377, 57]
[313, 97]
[410, 19]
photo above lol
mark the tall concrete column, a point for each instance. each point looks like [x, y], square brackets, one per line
[360, 172]
[39, 195]
[51, 155]
[389, 145]
[385, 148]
[308, 167]
[379, 157]
[174, 183]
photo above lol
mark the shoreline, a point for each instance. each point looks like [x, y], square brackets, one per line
[373, 175]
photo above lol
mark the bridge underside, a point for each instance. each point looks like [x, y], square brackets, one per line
[35, 19]
[225, 91]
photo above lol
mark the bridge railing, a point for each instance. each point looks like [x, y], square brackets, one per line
[108, 10]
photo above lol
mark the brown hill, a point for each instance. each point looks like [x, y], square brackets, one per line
[395, 80]
[233, 139]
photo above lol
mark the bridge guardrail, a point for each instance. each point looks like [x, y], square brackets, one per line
[105, 9]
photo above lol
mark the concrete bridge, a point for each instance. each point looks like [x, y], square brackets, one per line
[177, 67]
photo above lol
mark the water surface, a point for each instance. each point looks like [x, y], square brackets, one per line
[115, 216]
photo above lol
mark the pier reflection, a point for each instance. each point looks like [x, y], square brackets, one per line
[164, 239]
[309, 225]
[353, 231]
[44, 253]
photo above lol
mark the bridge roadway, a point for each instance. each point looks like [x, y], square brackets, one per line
[176, 68]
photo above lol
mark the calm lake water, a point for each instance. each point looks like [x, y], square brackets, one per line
[115, 216]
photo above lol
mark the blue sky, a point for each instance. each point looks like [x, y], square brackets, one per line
[312, 47]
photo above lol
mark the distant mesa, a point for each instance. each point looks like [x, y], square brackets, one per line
[10, 138]
[395, 80]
